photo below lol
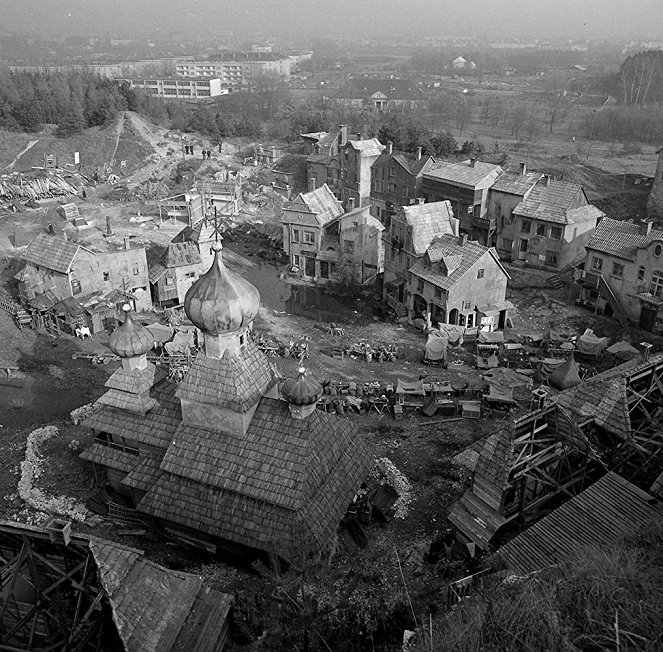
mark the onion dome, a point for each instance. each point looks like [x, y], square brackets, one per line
[131, 339]
[220, 301]
[301, 390]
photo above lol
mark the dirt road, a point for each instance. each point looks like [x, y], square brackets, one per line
[29, 146]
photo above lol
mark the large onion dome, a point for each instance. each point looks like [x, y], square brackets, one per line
[131, 339]
[220, 301]
[301, 390]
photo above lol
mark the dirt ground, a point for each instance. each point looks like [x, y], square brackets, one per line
[50, 384]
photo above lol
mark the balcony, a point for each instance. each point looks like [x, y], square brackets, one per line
[484, 223]
[643, 293]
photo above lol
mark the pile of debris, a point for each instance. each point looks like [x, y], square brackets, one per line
[16, 186]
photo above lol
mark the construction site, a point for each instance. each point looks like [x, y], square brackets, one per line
[194, 416]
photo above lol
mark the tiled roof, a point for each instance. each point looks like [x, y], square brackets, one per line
[481, 175]
[428, 221]
[447, 246]
[51, 253]
[266, 485]
[584, 214]
[235, 381]
[621, 239]
[604, 397]
[156, 609]
[515, 183]
[69, 306]
[322, 202]
[367, 147]
[136, 381]
[113, 458]
[145, 472]
[156, 428]
[598, 517]
[552, 202]
[181, 254]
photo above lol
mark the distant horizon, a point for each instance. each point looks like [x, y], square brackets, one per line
[494, 21]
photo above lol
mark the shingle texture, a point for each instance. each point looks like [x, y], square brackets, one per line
[598, 517]
[621, 239]
[604, 397]
[461, 258]
[428, 221]
[480, 175]
[51, 253]
[367, 147]
[145, 472]
[111, 457]
[552, 202]
[152, 605]
[261, 487]
[234, 381]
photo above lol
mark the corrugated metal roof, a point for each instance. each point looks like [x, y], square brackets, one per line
[598, 517]
[479, 175]
[621, 239]
[51, 253]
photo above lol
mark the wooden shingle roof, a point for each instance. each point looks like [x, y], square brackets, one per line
[257, 488]
[479, 175]
[182, 254]
[136, 381]
[145, 472]
[235, 381]
[598, 517]
[154, 607]
[113, 458]
[155, 428]
[427, 222]
[137, 403]
[553, 201]
[51, 253]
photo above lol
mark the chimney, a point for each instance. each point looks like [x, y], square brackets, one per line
[418, 153]
[646, 346]
[127, 243]
[390, 147]
[473, 162]
[546, 180]
[523, 168]
[420, 200]
[463, 239]
[343, 136]
[359, 135]
[645, 227]
[311, 184]
[351, 204]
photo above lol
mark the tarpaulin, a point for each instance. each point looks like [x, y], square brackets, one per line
[567, 375]
[414, 387]
[436, 346]
[590, 344]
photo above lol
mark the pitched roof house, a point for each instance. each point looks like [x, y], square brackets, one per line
[553, 224]
[380, 94]
[242, 463]
[622, 274]
[180, 266]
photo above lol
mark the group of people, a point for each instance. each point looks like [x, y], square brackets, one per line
[207, 153]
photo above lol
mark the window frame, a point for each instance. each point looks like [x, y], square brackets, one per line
[617, 270]
[308, 237]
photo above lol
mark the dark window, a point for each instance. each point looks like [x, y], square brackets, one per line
[75, 286]
[480, 273]
[617, 270]
[526, 226]
[541, 230]
[106, 276]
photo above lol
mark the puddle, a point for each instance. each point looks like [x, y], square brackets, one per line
[293, 299]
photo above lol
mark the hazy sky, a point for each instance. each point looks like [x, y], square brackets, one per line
[489, 18]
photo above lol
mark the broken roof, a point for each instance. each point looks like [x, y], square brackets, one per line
[552, 201]
[428, 221]
[181, 254]
[51, 253]
[621, 239]
[321, 202]
[479, 175]
[408, 162]
[447, 247]
[598, 517]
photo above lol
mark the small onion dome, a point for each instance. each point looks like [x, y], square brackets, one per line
[220, 301]
[301, 390]
[131, 339]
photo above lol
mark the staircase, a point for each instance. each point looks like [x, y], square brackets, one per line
[614, 302]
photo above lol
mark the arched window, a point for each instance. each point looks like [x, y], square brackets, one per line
[656, 287]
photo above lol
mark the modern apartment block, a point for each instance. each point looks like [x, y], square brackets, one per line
[200, 88]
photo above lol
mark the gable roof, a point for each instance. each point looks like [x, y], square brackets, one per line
[428, 221]
[182, 254]
[479, 175]
[51, 253]
[321, 202]
[449, 247]
[515, 183]
[604, 397]
[408, 162]
[552, 202]
[621, 239]
[362, 212]
[599, 517]
[393, 89]
[367, 147]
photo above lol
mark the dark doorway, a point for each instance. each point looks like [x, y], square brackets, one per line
[647, 317]
[309, 266]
